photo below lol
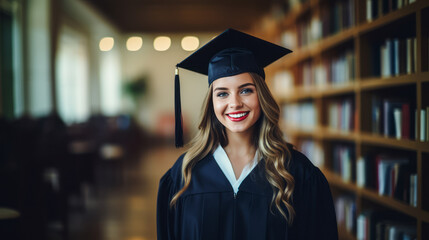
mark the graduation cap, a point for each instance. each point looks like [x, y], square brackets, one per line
[231, 53]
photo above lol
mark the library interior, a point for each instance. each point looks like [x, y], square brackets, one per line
[87, 122]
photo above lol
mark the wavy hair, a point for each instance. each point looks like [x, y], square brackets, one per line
[267, 138]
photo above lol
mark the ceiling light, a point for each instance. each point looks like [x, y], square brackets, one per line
[190, 43]
[162, 43]
[106, 44]
[134, 43]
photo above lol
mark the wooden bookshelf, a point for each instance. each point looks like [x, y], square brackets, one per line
[365, 38]
[315, 49]
[337, 182]
[324, 133]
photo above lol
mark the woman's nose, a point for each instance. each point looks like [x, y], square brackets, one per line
[236, 101]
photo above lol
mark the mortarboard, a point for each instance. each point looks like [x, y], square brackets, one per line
[230, 53]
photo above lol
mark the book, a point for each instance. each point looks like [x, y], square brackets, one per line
[413, 190]
[386, 59]
[345, 208]
[376, 114]
[396, 230]
[343, 161]
[385, 6]
[362, 227]
[369, 10]
[388, 118]
[376, 59]
[402, 56]
[410, 57]
[397, 114]
[341, 114]
[402, 187]
[415, 124]
[427, 123]
[386, 173]
[360, 172]
[405, 126]
[395, 57]
[422, 125]
[415, 54]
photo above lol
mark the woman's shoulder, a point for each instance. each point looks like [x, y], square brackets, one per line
[174, 174]
[300, 166]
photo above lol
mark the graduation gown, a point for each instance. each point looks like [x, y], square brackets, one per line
[209, 209]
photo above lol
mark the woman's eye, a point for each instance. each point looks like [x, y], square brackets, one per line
[222, 94]
[246, 90]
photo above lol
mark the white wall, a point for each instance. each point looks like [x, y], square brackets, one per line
[105, 73]
[160, 67]
[39, 57]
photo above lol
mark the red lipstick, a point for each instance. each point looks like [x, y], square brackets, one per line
[237, 118]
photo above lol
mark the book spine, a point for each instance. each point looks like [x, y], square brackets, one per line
[409, 56]
[406, 121]
[361, 227]
[397, 113]
[391, 56]
[360, 174]
[415, 54]
[415, 124]
[386, 118]
[427, 123]
[422, 125]
[412, 189]
[369, 10]
[395, 55]
[400, 3]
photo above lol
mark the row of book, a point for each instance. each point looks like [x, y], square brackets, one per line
[377, 8]
[341, 114]
[302, 115]
[345, 209]
[397, 56]
[283, 83]
[373, 225]
[331, 20]
[391, 176]
[343, 161]
[313, 151]
[334, 71]
[393, 118]
[337, 17]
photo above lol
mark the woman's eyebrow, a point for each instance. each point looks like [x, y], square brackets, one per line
[246, 84]
[220, 88]
[241, 86]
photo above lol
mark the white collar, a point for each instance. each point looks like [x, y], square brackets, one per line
[225, 165]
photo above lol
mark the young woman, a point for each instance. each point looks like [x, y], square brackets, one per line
[239, 179]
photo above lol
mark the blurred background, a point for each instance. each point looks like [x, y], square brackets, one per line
[87, 118]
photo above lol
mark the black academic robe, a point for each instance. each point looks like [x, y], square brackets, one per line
[209, 209]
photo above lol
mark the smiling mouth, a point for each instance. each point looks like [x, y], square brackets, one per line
[238, 116]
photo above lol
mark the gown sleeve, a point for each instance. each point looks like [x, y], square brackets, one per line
[316, 217]
[164, 213]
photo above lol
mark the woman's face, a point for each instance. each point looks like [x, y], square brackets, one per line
[236, 102]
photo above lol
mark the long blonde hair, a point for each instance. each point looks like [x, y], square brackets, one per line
[267, 138]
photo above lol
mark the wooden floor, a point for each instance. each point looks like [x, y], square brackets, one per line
[125, 211]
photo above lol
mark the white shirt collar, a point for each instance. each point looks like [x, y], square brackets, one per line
[225, 165]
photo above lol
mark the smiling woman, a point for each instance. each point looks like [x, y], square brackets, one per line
[236, 103]
[239, 179]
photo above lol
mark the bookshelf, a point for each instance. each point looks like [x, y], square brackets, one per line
[352, 95]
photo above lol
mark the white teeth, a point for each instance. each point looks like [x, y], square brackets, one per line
[239, 115]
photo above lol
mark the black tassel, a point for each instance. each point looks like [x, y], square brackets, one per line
[178, 111]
